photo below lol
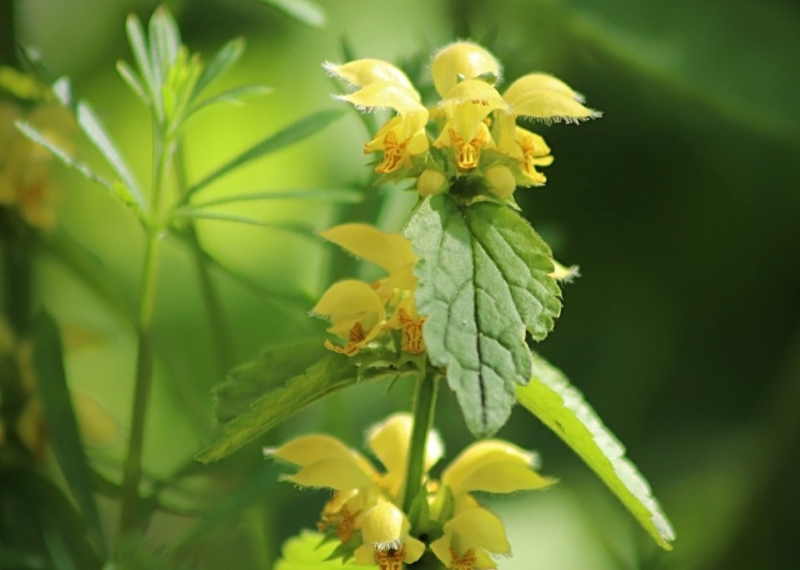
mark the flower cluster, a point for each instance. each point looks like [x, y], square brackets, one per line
[365, 515]
[359, 312]
[471, 133]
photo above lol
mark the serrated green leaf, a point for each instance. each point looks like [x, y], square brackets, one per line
[330, 374]
[551, 398]
[245, 384]
[309, 552]
[304, 11]
[224, 59]
[292, 134]
[344, 195]
[48, 363]
[483, 281]
[93, 127]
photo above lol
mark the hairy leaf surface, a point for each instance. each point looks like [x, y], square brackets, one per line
[483, 282]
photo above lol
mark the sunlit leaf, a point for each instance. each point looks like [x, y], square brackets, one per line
[308, 552]
[48, 362]
[292, 134]
[550, 397]
[223, 60]
[94, 129]
[63, 155]
[133, 81]
[306, 230]
[343, 195]
[165, 41]
[233, 96]
[483, 282]
[138, 44]
[304, 11]
[330, 374]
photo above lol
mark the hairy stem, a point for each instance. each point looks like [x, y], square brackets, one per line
[130, 516]
[424, 404]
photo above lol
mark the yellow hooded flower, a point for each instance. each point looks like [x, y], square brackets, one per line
[387, 543]
[492, 466]
[469, 540]
[381, 84]
[364, 497]
[358, 311]
[543, 97]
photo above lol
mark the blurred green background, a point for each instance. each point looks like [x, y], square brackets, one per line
[681, 206]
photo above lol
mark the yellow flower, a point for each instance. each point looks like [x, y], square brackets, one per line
[469, 540]
[542, 97]
[492, 466]
[357, 310]
[364, 499]
[380, 84]
[386, 540]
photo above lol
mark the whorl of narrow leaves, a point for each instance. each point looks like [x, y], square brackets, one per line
[483, 282]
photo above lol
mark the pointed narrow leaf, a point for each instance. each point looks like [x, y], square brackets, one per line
[138, 43]
[132, 80]
[483, 282]
[63, 155]
[305, 230]
[304, 11]
[344, 195]
[233, 96]
[94, 129]
[292, 134]
[330, 374]
[550, 397]
[165, 41]
[48, 363]
[224, 59]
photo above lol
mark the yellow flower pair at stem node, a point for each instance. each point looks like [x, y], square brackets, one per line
[365, 501]
[475, 131]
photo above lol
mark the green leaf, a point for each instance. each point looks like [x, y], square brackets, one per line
[48, 362]
[344, 195]
[245, 384]
[93, 127]
[133, 81]
[304, 11]
[165, 41]
[231, 96]
[550, 397]
[63, 155]
[309, 552]
[483, 281]
[292, 134]
[330, 374]
[138, 43]
[305, 230]
[224, 59]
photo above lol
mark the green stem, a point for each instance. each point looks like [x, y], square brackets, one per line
[424, 404]
[130, 516]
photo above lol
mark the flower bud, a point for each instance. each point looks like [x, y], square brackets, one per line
[431, 182]
[501, 181]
